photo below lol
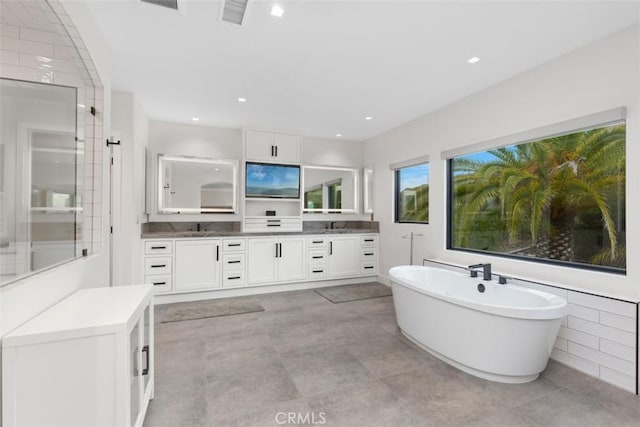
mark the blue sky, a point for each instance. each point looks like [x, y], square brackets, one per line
[414, 176]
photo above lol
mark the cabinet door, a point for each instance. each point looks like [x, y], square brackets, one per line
[261, 264]
[147, 355]
[344, 257]
[197, 264]
[259, 145]
[291, 262]
[134, 374]
[288, 148]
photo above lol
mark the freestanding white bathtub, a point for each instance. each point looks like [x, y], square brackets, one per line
[505, 333]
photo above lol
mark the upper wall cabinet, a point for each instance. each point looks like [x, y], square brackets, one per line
[194, 185]
[272, 147]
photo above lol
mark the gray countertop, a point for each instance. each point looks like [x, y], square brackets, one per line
[190, 234]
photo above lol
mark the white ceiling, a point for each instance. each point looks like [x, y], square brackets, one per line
[325, 65]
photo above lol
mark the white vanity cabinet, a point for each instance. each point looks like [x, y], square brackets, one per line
[234, 265]
[272, 147]
[368, 254]
[186, 265]
[87, 361]
[158, 264]
[197, 264]
[276, 259]
[343, 258]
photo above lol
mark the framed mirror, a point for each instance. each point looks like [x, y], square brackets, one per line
[329, 189]
[192, 185]
[367, 186]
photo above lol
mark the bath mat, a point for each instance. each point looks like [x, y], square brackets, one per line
[210, 308]
[345, 293]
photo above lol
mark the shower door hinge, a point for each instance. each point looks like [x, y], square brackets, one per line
[111, 229]
[112, 142]
[93, 110]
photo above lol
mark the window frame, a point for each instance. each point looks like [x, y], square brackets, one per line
[450, 157]
[396, 189]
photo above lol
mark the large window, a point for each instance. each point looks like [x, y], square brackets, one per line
[558, 200]
[412, 194]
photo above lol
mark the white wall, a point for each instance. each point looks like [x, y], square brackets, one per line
[191, 140]
[130, 126]
[331, 152]
[594, 78]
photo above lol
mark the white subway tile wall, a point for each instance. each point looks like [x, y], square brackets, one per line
[598, 336]
[38, 42]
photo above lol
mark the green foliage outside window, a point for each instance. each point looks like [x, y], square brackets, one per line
[559, 199]
[412, 194]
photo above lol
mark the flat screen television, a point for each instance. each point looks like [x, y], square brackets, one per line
[268, 180]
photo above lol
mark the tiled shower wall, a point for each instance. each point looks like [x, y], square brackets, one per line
[598, 336]
[39, 43]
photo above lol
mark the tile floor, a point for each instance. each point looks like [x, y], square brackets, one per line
[348, 365]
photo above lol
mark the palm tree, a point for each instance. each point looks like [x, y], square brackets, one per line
[537, 191]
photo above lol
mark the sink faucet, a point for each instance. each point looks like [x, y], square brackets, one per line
[486, 271]
[332, 225]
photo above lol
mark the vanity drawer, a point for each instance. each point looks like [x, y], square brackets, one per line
[317, 272]
[317, 257]
[157, 265]
[367, 254]
[368, 268]
[233, 278]
[160, 282]
[234, 245]
[317, 242]
[368, 240]
[158, 247]
[270, 224]
[233, 262]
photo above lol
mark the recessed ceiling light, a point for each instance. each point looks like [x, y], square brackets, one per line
[473, 60]
[338, 135]
[242, 99]
[277, 11]
[195, 119]
[368, 118]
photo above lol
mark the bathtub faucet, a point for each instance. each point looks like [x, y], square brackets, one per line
[486, 271]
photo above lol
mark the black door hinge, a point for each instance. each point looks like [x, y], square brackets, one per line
[111, 229]
[112, 142]
[93, 110]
